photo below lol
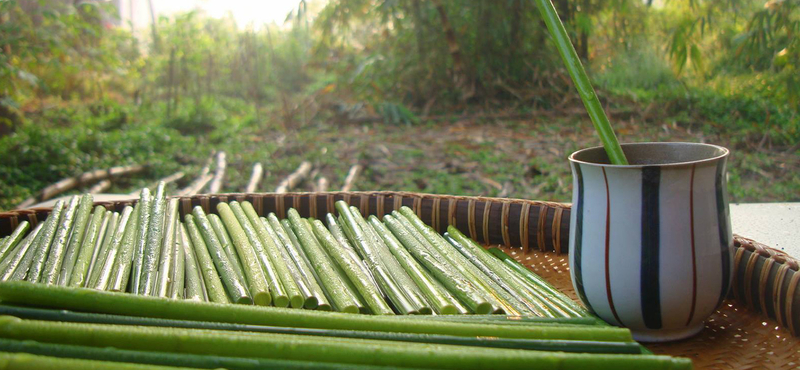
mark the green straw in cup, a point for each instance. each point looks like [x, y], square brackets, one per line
[581, 80]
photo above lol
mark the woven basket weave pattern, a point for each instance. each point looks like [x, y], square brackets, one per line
[751, 330]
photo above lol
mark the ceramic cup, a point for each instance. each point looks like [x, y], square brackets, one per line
[650, 244]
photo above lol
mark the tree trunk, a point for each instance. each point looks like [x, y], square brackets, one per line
[583, 36]
[484, 36]
[514, 38]
[461, 79]
[422, 51]
[564, 11]
[419, 28]
[156, 43]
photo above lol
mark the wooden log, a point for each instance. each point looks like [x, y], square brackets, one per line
[219, 174]
[255, 178]
[73, 182]
[167, 180]
[200, 181]
[195, 186]
[321, 185]
[294, 178]
[351, 177]
[100, 187]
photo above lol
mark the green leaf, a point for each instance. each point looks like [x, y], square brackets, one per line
[697, 58]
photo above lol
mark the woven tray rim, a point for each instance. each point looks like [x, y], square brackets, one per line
[513, 223]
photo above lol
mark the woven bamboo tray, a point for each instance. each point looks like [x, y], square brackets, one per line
[758, 326]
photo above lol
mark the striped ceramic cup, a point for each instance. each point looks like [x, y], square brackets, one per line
[650, 243]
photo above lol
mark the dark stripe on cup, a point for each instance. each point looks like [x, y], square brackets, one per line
[651, 284]
[579, 239]
[724, 233]
[694, 258]
[608, 251]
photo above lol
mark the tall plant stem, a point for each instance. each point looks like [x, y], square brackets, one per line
[581, 80]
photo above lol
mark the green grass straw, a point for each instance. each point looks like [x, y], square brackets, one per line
[582, 83]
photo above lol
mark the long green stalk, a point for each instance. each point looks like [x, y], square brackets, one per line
[55, 257]
[101, 253]
[476, 299]
[20, 271]
[372, 297]
[507, 278]
[503, 300]
[338, 233]
[273, 253]
[12, 240]
[178, 266]
[100, 281]
[343, 299]
[287, 226]
[121, 271]
[377, 265]
[310, 300]
[233, 285]
[530, 344]
[116, 356]
[359, 301]
[337, 350]
[227, 245]
[276, 289]
[257, 282]
[581, 80]
[193, 278]
[442, 301]
[85, 300]
[214, 288]
[513, 320]
[34, 271]
[76, 239]
[409, 288]
[539, 307]
[24, 248]
[459, 305]
[537, 281]
[152, 248]
[385, 281]
[145, 209]
[101, 250]
[24, 361]
[163, 278]
[295, 252]
[94, 233]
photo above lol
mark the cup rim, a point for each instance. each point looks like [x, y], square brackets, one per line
[725, 152]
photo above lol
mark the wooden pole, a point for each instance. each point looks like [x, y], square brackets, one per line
[322, 185]
[255, 178]
[219, 174]
[100, 187]
[195, 186]
[74, 182]
[167, 180]
[202, 179]
[294, 178]
[351, 177]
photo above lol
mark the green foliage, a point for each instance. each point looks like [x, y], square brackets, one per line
[62, 52]
[52, 147]
[84, 95]
[640, 70]
[772, 41]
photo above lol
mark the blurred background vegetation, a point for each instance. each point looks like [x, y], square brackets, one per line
[459, 97]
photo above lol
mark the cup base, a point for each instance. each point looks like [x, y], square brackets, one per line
[659, 335]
